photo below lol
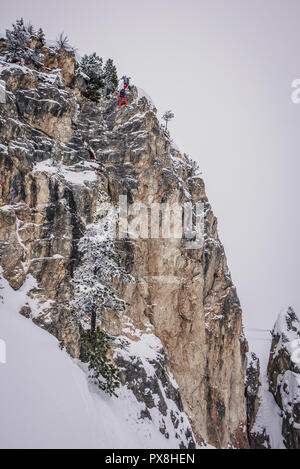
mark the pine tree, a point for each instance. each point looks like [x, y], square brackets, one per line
[104, 374]
[111, 80]
[94, 292]
[167, 117]
[19, 26]
[41, 37]
[92, 67]
[17, 40]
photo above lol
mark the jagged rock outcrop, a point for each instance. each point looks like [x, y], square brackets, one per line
[284, 374]
[183, 297]
[252, 386]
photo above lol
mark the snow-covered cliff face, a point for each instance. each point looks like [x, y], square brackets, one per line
[273, 386]
[284, 374]
[184, 362]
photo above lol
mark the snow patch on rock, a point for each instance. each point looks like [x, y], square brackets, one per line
[69, 173]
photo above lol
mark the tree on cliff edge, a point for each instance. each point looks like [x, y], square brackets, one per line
[19, 49]
[17, 39]
[92, 67]
[167, 117]
[110, 78]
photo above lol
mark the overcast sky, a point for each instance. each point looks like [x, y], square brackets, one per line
[225, 68]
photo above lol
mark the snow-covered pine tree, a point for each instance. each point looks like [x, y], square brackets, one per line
[110, 78]
[41, 37]
[103, 373]
[94, 291]
[92, 67]
[17, 39]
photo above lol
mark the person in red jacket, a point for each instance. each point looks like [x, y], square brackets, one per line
[126, 81]
[123, 99]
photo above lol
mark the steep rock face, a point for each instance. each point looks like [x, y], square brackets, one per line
[184, 297]
[284, 374]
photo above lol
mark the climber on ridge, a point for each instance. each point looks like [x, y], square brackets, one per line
[123, 98]
[126, 81]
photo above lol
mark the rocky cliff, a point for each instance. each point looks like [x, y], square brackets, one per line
[184, 359]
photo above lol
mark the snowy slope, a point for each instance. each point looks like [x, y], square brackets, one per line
[46, 400]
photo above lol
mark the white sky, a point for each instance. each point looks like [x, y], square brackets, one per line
[225, 68]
